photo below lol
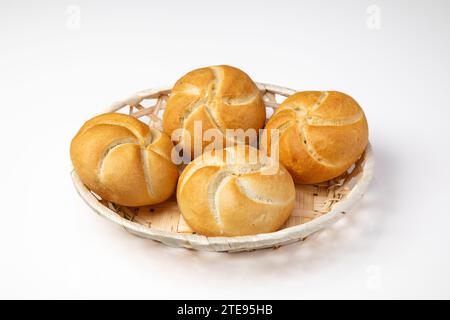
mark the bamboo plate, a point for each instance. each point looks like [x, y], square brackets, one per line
[317, 206]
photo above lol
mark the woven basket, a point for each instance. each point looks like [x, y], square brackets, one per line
[317, 206]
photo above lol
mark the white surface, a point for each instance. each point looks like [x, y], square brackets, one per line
[54, 76]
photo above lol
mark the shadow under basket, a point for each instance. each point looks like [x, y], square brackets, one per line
[316, 206]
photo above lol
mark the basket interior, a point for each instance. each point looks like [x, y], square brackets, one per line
[311, 202]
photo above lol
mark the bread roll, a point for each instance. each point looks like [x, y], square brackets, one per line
[124, 161]
[321, 134]
[220, 97]
[230, 193]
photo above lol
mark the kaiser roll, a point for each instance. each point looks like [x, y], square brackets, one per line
[232, 192]
[124, 161]
[321, 134]
[217, 97]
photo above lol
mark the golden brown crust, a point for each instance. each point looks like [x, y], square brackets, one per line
[321, 134]
[124, 161]
[221, 97]
[226, 193]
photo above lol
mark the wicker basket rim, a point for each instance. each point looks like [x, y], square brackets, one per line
[238, 243]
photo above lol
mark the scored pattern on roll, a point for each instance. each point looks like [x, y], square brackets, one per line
[225, 178]
[321, 134]
[227, 174]
[121, 159]
[109, 150]
[208, 98]
[205, 95]
[139, 140]
[205, 101]
[304, 119]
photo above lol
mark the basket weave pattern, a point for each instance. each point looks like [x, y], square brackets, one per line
[316, 206]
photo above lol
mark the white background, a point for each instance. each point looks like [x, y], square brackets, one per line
[57, 71]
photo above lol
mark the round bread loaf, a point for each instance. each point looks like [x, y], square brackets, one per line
[234, 192]
[218, 97]
[321, 134]
[124, 161]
